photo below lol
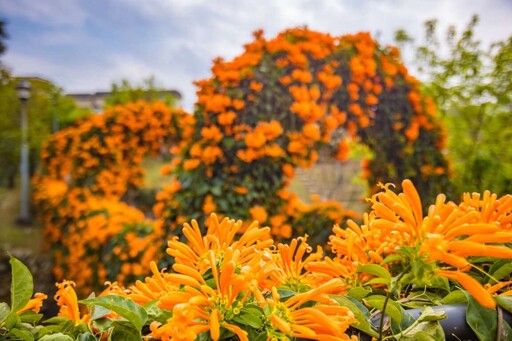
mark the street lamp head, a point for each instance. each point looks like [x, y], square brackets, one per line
[23, 89]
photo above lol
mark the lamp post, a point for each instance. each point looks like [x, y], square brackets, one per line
[23, 90]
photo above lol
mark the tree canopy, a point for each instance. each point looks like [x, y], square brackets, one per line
[472, 85]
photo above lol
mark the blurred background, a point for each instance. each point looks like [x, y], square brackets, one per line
[64, 60]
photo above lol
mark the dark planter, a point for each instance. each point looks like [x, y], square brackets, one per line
[454, 325]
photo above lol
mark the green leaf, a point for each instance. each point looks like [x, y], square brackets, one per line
[359, 293]
[456, 296]
[501, 272]
[247, 319]
[4, 311]
[422, 336]
[99, 312]
[22, 285]
[392, 308]
[285, 293]
[56, 337]
[124, 332]
[440, 282]
[377, 280]
[87, 337]
[56, 320]
[362, 320]
[102, 324]
[421, 299]
[260, 337]
[12, 320]
[505, 302]
[30, 317]
[155, 313]
[482, 321]
[125, 307]
[375, 270]
[22, 334]
[392, 258]
[426, 327]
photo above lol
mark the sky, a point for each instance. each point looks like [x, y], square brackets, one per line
[86, 45]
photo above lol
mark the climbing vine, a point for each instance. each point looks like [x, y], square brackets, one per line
[278, 106]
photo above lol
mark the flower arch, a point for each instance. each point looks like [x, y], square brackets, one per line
[270, 110]
[258, 118]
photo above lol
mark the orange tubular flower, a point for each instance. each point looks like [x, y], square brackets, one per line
[34, 304]
[152, 288]
[197, 306]
[325, 320]
[448, 235]
[219, 236]
[472, 286]
[291, 264]
[68, 302]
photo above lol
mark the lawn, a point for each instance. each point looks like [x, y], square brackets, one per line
[12, 236]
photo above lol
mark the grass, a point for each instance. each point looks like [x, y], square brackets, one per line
[153, 178]
[12, 236]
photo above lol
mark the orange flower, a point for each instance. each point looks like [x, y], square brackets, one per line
[241, 189]
[343, 150]
[256, 86]
[34, 304]
[472, 286]
[302, 76]
[326, 320]
[211, 133]
[191, 164]
[355, 109]
[291, 264]
[255, 139]
[371, 100]
[68, 302]
[247, 155]
[226, 118]
[209, 205]
[211, 154]
[288, 170]
[311, 131]
[258, 213]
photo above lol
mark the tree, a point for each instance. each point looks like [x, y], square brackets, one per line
[48, 109]
[473, 90]
[125, 92]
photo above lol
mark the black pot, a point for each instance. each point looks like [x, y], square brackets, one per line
[454, 325]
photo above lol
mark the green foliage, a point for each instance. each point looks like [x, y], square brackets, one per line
[473, 90]
[125, 307]
[125, 92]
[22, 285]
[48, 110]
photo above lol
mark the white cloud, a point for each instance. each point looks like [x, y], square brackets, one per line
[176, 40]
[50, 13]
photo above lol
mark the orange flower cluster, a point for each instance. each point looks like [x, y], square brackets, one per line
[102, 239]
[257, 118]
[270, 109]
[86, 169]
[230, 279]
[449, 235]
[105, 152]
[218, 279]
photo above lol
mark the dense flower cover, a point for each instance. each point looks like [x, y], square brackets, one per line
[88, 169]
[231, 282]
[282, 103]
[276, 107]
